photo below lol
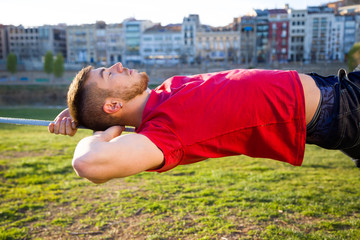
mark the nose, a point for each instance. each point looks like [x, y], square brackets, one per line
[117, 67]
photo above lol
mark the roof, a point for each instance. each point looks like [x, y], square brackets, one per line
[161, 29]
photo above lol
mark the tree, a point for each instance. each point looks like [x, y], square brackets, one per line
[354, 57]
[59, 65]
[11, 63]
[48, 62]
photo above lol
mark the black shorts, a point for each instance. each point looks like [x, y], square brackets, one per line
[336, 123]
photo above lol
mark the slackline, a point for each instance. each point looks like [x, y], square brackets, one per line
[36, 122]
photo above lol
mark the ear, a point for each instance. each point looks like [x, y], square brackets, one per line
[112, 105]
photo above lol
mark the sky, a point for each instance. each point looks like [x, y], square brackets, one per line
[74, 12]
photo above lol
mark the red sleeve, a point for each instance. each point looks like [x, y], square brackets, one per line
[167, 141]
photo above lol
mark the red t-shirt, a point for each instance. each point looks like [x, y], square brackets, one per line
[259, 113]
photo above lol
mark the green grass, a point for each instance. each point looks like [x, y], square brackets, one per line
[232, 198]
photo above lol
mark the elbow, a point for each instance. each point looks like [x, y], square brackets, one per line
[84, 169]
[79, 166]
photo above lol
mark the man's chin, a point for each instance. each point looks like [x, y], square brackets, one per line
[144, 79]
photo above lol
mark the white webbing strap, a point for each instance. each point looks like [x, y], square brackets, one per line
[36, 122]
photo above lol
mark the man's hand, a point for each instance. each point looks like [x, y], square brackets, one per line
[63, 124]
[110, 133]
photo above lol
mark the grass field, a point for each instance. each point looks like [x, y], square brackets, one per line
[229, 198]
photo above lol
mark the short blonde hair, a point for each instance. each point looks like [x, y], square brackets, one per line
[75, 94]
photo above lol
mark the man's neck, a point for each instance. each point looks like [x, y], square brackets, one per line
[132, 111]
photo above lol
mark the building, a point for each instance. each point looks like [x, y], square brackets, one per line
[357, 37]
[349, 32]
[23, 42]
[317, 45]
[81, 43]
[337, 39]
[31, 44]
[115, 43]
[278, 35]
[217, 45]
[3, 43]
[190, 26]
[248, 40]
[53, 39]
[101, 43]
[262, 36]
[297, 34]
[133, 30]
[162, 45]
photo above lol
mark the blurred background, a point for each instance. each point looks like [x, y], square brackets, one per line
[45, 44]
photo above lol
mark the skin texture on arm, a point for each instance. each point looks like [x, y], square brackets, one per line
[107, 155]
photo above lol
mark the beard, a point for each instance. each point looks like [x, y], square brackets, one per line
[136, 89]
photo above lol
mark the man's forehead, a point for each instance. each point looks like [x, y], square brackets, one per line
[93, 76]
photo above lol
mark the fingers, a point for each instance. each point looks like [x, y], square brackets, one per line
[51, 128]
[111, 133]
[63, 126]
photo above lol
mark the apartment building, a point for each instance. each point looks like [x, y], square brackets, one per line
[337, 39]
[115, 42]
[357, 29]
[262, 35]
[31, 44]
[349, 32]
[81, 46]
[24, 43]
[133, 30]
[297, 20]
[318, 34]
[52, 38]
[278, 35]
[217, 45]
[190, 26]
[162, 45]
[248, 40]
[3, 43]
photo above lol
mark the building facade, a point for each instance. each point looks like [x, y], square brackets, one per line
[297, 34]
[81, 43]
[133, 30]
[161, 45]
[190, 26]
[318, 34]
[217, 45]
[248, 40]
[262, 37]
[278, 35]
[3, 43]
[336, 41]
[115, 43]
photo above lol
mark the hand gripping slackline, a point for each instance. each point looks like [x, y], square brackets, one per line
[36, 122]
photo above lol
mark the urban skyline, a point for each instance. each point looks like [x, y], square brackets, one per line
[22, 12]
[316, 34]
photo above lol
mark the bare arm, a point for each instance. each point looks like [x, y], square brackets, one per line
[107, 155]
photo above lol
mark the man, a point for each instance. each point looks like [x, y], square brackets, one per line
[259, 113]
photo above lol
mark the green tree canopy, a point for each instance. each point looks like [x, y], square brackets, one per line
[48, 62]
[59, 65]
[354, 57]
[11, 63]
